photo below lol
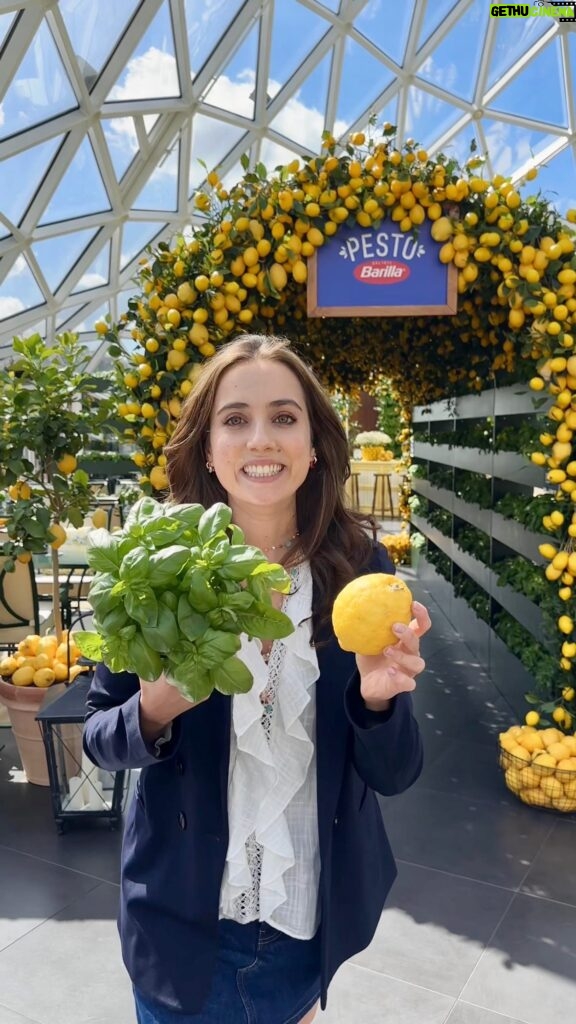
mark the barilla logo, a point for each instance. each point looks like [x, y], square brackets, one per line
[381, 272]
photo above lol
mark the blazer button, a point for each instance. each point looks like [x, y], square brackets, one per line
[182, 820]
[180, 766]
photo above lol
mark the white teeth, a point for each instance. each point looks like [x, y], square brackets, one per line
[262, 470]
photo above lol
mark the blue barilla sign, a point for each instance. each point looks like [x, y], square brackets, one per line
[380, 272]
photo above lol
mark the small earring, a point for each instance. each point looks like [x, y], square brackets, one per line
[209, 467]
[313, 460]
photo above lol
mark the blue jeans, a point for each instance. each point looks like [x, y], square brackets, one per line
[262, 976]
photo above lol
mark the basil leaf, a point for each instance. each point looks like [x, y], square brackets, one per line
[190, 622]
[265, 622]
[100, 594]
[232, 676]
[188, 515]
[90, 644]
[200, 593]
[135, 566]
[164, 635]
[142, 605]
[170, 599]
[115, 620]
[146, 662]
[102, 554]
[215, 518]
[192, 681]
[214, 647]
[167, 564]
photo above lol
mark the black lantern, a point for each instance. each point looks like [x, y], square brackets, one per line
[79, 790]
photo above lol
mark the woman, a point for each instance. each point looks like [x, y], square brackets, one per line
[255, 859]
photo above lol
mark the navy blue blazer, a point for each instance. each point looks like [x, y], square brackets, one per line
[176, 832]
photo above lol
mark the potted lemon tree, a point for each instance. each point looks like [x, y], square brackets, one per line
[50, 404]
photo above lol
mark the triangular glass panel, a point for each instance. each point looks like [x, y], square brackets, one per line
[21, 174]
[235, 87]
[363, 79]
[511, 43]
[524, 94]
[40, 88]
[389, 34]
[557, 181]
[70, 314]
[206, 23]
[97, 274]
[571, 37]
[273, 155]
[427, 117]
[453, 64]
[136, 235]
[19, 290]
[5, 24]
[91, 318]
[120, 134]
[387, 114]
[81, 190]
[434, 15]
[302, 117]
[161, 190]
[304, 29]
[511, 146]
[233, 176]
[152, 70]
[458, 147]
[56, 256]
[84, 21]
[211, 141]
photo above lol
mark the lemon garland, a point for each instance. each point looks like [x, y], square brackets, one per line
[245, 268]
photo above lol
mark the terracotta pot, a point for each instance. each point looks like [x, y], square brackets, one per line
[23, 704]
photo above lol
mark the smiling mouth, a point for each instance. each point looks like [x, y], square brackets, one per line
[263, 472]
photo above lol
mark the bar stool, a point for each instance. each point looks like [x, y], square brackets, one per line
[354, 492]
[382, 495]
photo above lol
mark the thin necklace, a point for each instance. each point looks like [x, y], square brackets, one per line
[287, 543]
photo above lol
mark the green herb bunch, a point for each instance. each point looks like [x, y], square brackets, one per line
[172, 593]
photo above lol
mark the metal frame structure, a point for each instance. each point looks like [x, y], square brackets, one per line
[175, 118]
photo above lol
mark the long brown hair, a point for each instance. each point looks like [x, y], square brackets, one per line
[332, 537]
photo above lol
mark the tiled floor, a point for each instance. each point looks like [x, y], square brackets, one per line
[480, 927]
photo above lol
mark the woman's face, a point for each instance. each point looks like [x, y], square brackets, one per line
[260, 437]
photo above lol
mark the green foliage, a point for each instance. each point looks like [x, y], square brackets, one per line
[526, 510]
[475, 543]
[474, 596]
[542, 665]
[389, 412]
[50, 405]
[172, 593]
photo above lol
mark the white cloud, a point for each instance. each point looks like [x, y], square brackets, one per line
[445, 77]
[9, 306]
[20, 267]
[153, 73]
[508, 151]
[90, 281]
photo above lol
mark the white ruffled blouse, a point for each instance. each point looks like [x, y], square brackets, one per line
[273, 862]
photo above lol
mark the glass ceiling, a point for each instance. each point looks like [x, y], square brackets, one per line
[109, 111]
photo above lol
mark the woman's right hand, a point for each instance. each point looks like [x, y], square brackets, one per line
[160, 704]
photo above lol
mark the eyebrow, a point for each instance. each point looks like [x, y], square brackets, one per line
[274, 404]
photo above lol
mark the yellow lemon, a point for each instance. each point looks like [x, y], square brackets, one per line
[158, 478]
[366, 609]
[99, 518]
[67, 464]
[23, 676]
[58, 535]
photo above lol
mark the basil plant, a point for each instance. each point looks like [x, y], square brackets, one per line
[173, 591]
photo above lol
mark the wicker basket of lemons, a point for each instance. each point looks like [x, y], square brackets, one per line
[539, 766]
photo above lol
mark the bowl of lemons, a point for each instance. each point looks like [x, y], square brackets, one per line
[539, 766]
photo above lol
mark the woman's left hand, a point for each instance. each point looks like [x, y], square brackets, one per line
[382, 676]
